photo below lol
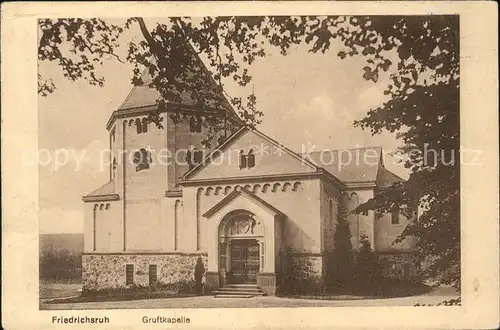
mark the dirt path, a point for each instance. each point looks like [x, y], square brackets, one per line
[433, 297]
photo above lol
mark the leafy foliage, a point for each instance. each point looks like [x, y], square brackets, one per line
[60, 264]
[450, 302]
[76, 45]
[342, 257]
[366, 265]
[286, 285]
[423, 108]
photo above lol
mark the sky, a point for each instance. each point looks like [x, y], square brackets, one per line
[307, 99]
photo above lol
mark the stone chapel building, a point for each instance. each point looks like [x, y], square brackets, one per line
[238, 205]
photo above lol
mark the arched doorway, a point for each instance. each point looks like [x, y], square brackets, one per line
[240, 247]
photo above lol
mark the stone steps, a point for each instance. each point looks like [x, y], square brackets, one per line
[238, 291]
[236, 288]
[219, 295]
[242, 285]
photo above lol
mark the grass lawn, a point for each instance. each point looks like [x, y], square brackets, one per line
[59, 290]
[68, 296]
[119, 297]
[385, 288]
[255, 302]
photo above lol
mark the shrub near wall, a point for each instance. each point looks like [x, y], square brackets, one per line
[366, 278]
[285, 285]
[339, 262]
[307, 274]
[366, 268]
[301, 273]
[402, 266]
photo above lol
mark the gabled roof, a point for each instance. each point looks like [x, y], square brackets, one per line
[232, 139]
[223, 146]
[105, 192]
[350, 165]
[245, 193]
[357, 165]
[386, 178]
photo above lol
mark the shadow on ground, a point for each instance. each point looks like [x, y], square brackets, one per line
[70, 294]
[382, 289]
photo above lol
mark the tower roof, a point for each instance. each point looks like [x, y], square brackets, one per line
[141, 96]
[145, 98]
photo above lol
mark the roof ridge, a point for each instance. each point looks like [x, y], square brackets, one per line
[219, 148]
[211, 78]
[392, 173]
[349, 165]
[234, 137]
[342, 149]
[285, 148]
[134, 87]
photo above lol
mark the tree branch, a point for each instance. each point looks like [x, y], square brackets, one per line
[147, 35]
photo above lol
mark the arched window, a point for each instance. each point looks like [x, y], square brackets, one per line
[251, 159]
[243, 160]
[138, 126]
[297, 186]
[189, 159]
[330, 208]
[199, 122]
[145, 125]
[142, 159]
[192, 124]
[195, 124]
[198, 156]
[137, 157]
[395, 218]
[114, 168]
[247, 161]
[194, 157]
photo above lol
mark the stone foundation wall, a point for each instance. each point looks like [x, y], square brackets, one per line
[403, 266]
[107, 271]
[306, 273]
[307, 266]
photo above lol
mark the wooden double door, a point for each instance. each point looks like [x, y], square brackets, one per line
[244, 261]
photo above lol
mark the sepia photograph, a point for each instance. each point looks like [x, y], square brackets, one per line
[180, 164]
[260, 161]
